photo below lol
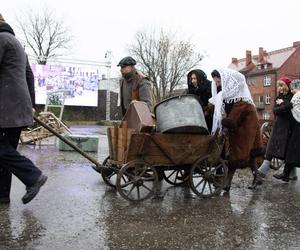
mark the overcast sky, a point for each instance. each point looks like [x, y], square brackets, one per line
[224, 29]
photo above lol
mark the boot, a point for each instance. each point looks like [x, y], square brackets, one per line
[264, 168]
[282, 177]
[257, 180]
[227, 185]
[32, 191]
[285, 175]
[293, 174]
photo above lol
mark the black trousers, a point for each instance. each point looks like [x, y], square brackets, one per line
[12, 162]
[288, 169]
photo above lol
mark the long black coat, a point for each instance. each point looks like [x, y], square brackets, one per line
[15, 102]
[293, 148]
[202, 91]
[281, 130]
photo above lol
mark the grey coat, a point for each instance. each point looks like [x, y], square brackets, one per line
[15, 103]
[137, 89]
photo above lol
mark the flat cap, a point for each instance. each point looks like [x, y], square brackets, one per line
[126, 61]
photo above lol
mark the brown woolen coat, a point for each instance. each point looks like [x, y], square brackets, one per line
[244, 133]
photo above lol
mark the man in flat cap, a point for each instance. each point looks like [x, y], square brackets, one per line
[133, 85]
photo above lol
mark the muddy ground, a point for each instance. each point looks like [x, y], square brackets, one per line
[77, 210]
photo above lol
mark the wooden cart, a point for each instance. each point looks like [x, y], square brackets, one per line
[137, 160]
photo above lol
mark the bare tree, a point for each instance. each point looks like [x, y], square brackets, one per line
[164, 59]
[44, 33]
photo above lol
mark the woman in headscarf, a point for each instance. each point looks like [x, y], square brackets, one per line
[235, 111]
[292, 158]
[200, 86]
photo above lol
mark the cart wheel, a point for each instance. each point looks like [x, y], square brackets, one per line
[207, 179]
[266, 130]
[109, 175]
[176, 177]
[276, 164]
[137, 180]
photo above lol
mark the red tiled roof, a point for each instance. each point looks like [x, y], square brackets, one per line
[276, 57]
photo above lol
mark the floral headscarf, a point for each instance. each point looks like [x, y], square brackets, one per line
[234, 89]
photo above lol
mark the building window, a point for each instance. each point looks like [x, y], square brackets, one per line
[258, 66]
[261, 99]
[266, 116]
[268, 99]
[267, 80]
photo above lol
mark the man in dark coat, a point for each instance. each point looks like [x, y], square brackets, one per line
[14, 137]
[200, 86]
[15, 114]
[133, 86]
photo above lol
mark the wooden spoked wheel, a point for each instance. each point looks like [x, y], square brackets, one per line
[176, 177]
[137, 181]
[207, 179]
[266, 130]
[109, 174]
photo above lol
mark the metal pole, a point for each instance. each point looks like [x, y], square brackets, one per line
[108, 61]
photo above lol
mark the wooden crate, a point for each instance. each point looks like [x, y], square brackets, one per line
[118, 141]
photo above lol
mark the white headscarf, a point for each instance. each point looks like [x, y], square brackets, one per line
[296, 106]
[234, 89]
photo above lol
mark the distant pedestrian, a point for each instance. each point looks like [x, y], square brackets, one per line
[15, 114]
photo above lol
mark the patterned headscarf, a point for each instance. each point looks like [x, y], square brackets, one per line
[234, 89]
[295, 84]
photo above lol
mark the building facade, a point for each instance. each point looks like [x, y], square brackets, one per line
[262, 72]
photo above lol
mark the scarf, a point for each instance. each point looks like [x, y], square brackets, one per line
[296, 106]
[234, 89]
[5, 27]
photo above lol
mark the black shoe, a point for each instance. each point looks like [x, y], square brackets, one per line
[282, 177]
[31, 192]
[4, 200]
[293, 178]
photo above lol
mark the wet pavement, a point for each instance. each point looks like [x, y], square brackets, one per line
[77, 210]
